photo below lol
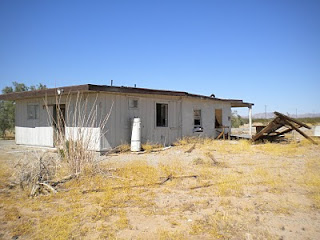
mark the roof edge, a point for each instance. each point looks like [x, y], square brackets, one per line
[113, 89]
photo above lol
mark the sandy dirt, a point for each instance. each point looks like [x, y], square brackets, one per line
[241, 191]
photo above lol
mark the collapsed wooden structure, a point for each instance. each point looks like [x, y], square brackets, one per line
[280, 125]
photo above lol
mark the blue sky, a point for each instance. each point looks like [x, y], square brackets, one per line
[265, 52]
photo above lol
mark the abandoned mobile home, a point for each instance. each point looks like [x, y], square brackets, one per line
[165, 115]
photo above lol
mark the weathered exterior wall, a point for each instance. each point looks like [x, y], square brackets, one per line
[180, 118]
[118, 128]
[207, 108]
[33, 131]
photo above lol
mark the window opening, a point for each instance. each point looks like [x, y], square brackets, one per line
[197, 118]
[161, 115]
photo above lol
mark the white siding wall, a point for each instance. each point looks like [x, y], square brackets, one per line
[118, 128]
[90, 136]
[207, 108]
[33, 131]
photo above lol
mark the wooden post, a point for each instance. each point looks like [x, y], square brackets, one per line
[299, 131]
[250, 121]
[224, 136]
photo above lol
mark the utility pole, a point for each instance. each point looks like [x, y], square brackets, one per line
[296, 112]
[265, 111]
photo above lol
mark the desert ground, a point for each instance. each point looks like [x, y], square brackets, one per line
[197, 189]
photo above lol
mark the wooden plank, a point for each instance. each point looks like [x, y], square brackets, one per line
[284, 131]
[272, 126]
[299, 131]
[269, 132]
[291, 120]
[219, 135]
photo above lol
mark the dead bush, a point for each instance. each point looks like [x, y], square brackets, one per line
[79, 126]
[37, 167]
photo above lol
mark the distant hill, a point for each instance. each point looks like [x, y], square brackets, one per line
[271, 115]
[263, 115]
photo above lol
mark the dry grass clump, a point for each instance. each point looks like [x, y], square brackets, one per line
[123, 221]
[12, 214]
[78, 155]
[312, 180]
[123, 148]
[24, 227]
[278, 206]
[285, 149]
[138, 171]
[174, 168]
[209, 144]
[306, 142]
[5, 172]
[149, 147]
[219, 181]
[193, 140]
[186, 140]
[170, 235]
[57, 227]
[217, 225]
[234, 147]
[106, 232]
[229, 185]
[271, 179]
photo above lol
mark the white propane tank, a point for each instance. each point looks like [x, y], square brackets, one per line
[136, 135]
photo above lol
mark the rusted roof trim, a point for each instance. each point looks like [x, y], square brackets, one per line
[41, 93]
[113, 89]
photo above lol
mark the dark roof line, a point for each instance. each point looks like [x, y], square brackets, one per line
[114, 89]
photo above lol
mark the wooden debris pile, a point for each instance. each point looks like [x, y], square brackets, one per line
[279, 126]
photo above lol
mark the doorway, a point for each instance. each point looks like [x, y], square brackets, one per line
[59, 123]
[218, 118]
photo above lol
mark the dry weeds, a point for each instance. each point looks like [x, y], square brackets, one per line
[241, 191]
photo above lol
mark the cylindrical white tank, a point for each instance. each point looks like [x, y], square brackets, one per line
[136, 135]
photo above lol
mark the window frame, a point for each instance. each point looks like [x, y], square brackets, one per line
[131, 100]
[194, 118]
[166, 117]
[35, 108]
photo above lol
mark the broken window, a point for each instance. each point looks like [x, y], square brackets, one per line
[218, 115]
[161, 115]
[197, 118]
[33, 111]
[197, 122]
[133, 103]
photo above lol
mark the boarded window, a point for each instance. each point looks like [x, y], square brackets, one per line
[133, 103]
[218, 114]
[33, 111]
[161, 115]
[197, 118]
